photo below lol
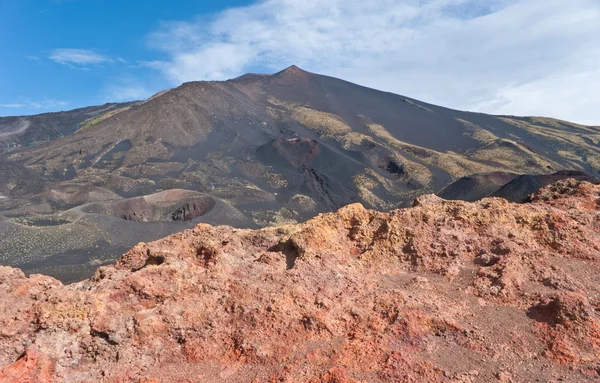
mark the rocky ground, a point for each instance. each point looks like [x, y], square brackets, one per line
[445, 291]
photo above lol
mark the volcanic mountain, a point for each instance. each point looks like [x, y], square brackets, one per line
[264, 150]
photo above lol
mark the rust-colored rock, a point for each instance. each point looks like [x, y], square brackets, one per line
[441, 292]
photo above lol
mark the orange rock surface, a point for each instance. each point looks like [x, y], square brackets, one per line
[441, 292]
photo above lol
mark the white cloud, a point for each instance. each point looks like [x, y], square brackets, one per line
[78, 58]
[531, 57]
[127, 92]
[44, 103]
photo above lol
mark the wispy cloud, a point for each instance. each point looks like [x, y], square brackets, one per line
[126, 89]
[532, 57]
[33, 58]
[78, 58]
[44, 103]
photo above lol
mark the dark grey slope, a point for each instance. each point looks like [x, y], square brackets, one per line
[18, 180]
[42, 127]
[314, 169]
[521, 187]
[426, 125]
[476, 186]
[405, 119]
[510, 186]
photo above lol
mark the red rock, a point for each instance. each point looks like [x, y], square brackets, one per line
[433, 293]
[31, 367]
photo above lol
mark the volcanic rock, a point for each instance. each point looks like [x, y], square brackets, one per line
[445, 291]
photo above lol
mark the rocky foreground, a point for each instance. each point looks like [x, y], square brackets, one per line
[441, 292]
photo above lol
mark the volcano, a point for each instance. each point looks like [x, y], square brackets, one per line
[265, 150]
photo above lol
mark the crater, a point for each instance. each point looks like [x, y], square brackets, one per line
[394, 168]
[388, 163]
[170, 205]
[296, 151]
[42, 221]
[193, 209]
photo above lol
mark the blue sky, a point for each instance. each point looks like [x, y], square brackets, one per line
[523, 57]
[37, 33]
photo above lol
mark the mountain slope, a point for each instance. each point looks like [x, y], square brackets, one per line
[393, 147]
[281, 148]
[475, 187]
[520, 188]
[31, 130]
[510, 186]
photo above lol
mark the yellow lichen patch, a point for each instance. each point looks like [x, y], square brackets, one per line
[252, 168]
[556, 123]
[326, 124]
[303, 203]
[568, 154]
[594, 138]
[152, 169]
[369, 180]
[415, 172]
[571, 140]
[478, 133]
[594, 161]
[353, 139]
[274, 113]
[554, 129]
[514, 156]
[365, 185]
[380, 131]
[95, 120]
[454, 164]
[279, 217]
[276, 181]
[257, 170]
[140, 153]
[69, 316]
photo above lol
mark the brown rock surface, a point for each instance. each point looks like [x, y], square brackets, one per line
[441, 292]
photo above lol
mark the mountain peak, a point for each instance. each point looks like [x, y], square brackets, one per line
[293, 69]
